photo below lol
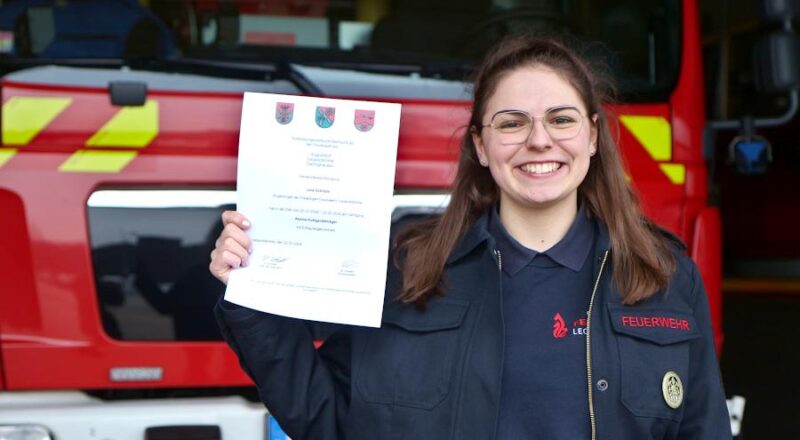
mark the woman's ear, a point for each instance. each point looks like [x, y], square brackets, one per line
[480, 150]
[593, 133]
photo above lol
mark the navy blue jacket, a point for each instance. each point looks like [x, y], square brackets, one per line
[436, 374]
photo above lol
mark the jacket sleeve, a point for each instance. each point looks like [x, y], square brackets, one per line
[306, 390]
[706, 413]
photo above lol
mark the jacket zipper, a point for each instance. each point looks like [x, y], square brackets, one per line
[589, 345]
[502, 329]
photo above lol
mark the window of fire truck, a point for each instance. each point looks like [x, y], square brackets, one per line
[150, 252]
[641, 40]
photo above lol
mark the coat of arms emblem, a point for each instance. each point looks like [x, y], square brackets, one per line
[364, 120]
[284, 112]
[325, 116]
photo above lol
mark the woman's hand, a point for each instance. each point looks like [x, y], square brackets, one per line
[233, 247]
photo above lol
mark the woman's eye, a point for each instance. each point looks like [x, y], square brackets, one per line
[511, 121]
[511, 124]
[561, 120]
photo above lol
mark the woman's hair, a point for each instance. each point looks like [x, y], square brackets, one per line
[642, 256]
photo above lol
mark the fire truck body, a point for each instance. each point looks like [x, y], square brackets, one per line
[74, 415]
[109, 210]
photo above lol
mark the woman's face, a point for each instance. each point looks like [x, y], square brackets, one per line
[546, 167]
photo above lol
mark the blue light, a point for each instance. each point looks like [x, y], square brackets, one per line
[752, 156]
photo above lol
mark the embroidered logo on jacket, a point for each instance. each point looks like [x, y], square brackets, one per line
[655, 322]
[559, 327]
[561, 330]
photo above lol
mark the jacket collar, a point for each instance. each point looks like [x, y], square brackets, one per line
[478, 233]
[474, 237]
[603, 239]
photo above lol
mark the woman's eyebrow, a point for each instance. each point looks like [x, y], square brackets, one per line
[562, 107]
[549, 109]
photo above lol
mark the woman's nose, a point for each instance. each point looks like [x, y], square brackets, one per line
[538, 137]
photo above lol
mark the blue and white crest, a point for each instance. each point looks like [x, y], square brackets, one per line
[325, 116]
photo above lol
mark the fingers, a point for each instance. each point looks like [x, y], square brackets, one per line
[218, 267]
[233, 238]
[232, 248]
[233, 251]
[236, 218]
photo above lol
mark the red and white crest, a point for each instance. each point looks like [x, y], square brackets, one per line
[284, 112]
[364, 120]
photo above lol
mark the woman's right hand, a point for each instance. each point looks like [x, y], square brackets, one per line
[233, 247]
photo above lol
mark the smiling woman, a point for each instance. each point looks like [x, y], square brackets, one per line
[512, 314]
[545, 167]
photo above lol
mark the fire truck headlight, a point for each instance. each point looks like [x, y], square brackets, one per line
[24, 432]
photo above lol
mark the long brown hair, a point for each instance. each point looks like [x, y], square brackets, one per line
[642, 257]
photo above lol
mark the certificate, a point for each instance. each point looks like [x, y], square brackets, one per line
[316, 177]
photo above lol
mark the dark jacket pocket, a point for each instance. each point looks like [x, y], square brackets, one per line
[653, 342]
[409, 361]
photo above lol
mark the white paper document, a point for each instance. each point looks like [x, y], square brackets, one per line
[316, 177]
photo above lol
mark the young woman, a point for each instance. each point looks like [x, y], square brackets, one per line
[540, 305]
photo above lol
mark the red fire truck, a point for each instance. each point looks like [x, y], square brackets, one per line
[119, 140]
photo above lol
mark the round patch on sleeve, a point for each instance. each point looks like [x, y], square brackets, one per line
[672, 388]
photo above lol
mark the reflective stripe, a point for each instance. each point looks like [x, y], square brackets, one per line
[195, 198]
[130, 127]
[24, 117]
[90, 161]
[6, 154]
[676, 172]
[161, 198]
[653, 132]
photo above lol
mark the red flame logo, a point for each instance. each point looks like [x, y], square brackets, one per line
[559, 327]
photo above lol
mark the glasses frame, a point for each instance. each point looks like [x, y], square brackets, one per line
[533, 120]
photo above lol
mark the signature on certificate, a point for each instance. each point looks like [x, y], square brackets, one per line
[272, 262]
[348, 268]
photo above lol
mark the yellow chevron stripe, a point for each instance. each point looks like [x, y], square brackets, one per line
[97, 161]
[6, 154]
[653, 132]
[676, 172]
[26, 116]
[130, 127]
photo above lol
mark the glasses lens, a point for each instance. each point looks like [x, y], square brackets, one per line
[562, 124]
[513, 126]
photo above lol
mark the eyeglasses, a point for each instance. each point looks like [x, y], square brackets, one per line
[515, 126]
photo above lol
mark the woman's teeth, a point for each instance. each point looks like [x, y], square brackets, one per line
[541, 168]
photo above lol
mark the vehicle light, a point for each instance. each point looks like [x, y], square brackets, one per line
[24, 432]
[751, 154]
